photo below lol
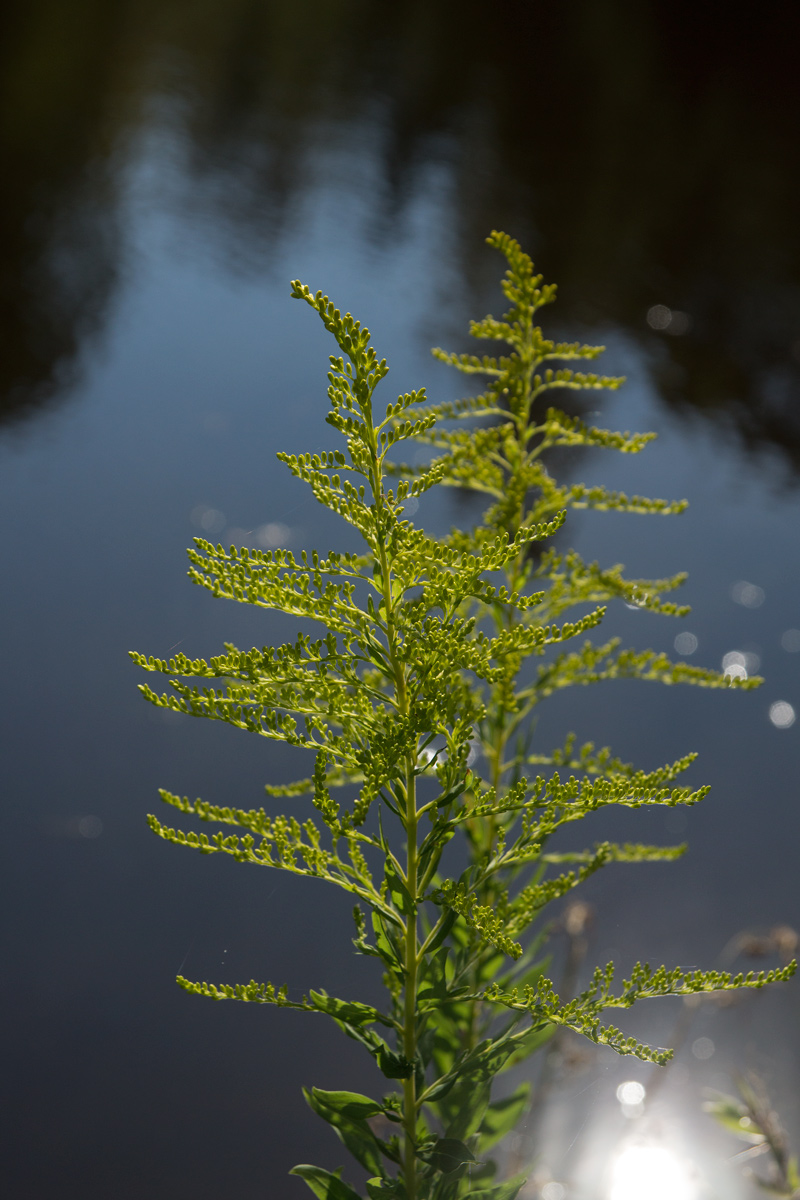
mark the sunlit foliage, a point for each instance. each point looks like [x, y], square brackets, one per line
[425, 660]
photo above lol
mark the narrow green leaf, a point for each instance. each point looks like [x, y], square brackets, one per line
[398, 890]
[500, 1191]
[349, 1104]
[352, 1011]
[501, 1116]
[323, 1184]
[447, 1154]
[353, 1131]
[386, 1189]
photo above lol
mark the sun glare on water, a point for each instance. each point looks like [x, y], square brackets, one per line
[649, 1173]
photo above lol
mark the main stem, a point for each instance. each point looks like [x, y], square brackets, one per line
[412, 881]
[411, 943]
[410, 998]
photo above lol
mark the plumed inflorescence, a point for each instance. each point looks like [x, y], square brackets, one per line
[415, 708]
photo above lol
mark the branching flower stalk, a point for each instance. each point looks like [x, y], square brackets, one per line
[424, 655]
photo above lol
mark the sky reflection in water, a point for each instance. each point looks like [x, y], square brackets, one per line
[163, 185]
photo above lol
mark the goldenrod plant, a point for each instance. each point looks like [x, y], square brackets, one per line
[416, 702]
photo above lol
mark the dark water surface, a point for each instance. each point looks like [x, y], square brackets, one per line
[167, 169]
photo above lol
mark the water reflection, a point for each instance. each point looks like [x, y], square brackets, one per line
[60, 243]
[620, 144]
[233, 115]
[651, 1171]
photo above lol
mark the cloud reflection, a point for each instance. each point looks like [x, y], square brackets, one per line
[220, 91]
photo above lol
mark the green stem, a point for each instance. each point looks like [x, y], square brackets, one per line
[410, 1005]
[411, 820]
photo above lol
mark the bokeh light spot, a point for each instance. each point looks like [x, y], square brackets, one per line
[649, 1173]
[686, 643]
[703, 1048]
[659, 316]
[732, 668]
[272, 535]
[630, 1092]
[782, 714]
[668, 320]
[211, 520]
[750, 595]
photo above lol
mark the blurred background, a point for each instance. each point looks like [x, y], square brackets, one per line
[168, 167]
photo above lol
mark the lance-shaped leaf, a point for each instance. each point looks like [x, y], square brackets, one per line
[386, 1189]
[502, 1116]
[347, 1113]
[323, 1184]
[477, 1065]
[447, 1154]
[500, 1191]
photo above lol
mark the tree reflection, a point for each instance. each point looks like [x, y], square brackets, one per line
[647, 152]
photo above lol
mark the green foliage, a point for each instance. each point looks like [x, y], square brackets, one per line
[424, 656]
[752, 1119]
